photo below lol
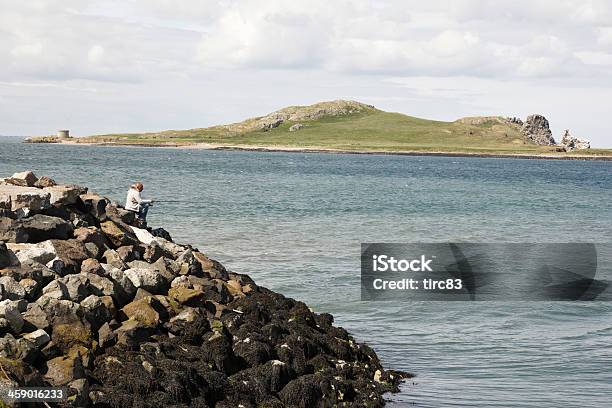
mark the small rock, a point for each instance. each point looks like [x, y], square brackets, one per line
[39, 338]
[296, 127]
[45, 181]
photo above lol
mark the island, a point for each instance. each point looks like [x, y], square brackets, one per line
[353, 127]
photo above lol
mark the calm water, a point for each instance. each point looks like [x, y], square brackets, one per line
[294, 222]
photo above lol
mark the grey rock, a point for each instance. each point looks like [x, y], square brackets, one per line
[146, 279]
[9, 310]
[537, 130]
[36, 316]
[7, 257]
[11, 289]
[42, 252]
[77, 286]
[39, 338]
[112, 258]
[64, 195]
[570, 142]
[296, 127]
[56, 290]
[34, 229]
[24, 200]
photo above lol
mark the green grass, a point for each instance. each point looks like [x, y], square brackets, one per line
[369, 131]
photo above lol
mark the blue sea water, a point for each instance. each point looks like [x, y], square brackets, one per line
[295, 222]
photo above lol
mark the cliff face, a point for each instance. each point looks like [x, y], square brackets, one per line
[537, 130]
[123, 316]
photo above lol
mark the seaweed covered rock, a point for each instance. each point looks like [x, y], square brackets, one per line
[125, 317]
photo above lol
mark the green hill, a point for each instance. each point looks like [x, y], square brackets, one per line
[350, 126]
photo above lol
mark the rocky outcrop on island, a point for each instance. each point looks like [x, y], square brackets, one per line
[537, 130]
[293, 114]
[125, 317]
[570, 142]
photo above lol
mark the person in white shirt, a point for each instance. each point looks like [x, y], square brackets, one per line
[134, 202]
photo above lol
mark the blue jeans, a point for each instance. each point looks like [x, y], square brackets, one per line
[143, 211]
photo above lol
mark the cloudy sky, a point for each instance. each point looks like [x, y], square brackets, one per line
[108, 66]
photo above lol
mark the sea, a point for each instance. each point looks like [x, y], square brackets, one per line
[295, 222]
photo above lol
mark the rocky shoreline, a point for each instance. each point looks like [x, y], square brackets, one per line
[123, 316]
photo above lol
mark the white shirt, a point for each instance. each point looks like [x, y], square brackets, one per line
[134, 200]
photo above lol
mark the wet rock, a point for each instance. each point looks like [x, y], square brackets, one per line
[303, 392]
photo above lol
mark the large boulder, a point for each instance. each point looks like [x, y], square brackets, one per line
[536, 129]
[64, 195]
[25, 179]
[10, 312]
[117, 234]
[146, 279]
[570, 142]
[34, 229]
[24, 200]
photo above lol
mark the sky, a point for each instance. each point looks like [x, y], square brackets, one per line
[125, 66]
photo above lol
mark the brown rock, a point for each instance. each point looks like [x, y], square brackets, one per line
[186, 296]
[45, 181]
[117, 236]
[143, 311]
[65, 336]
[64, 369]
[93, 266]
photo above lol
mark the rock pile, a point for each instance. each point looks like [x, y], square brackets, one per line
[570, 142]
[537, 130]
[123, 316]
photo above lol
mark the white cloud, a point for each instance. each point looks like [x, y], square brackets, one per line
[207, 61]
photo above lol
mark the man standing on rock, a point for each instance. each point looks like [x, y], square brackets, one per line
[135, 203]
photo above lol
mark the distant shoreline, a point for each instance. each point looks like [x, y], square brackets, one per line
[290, 149]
